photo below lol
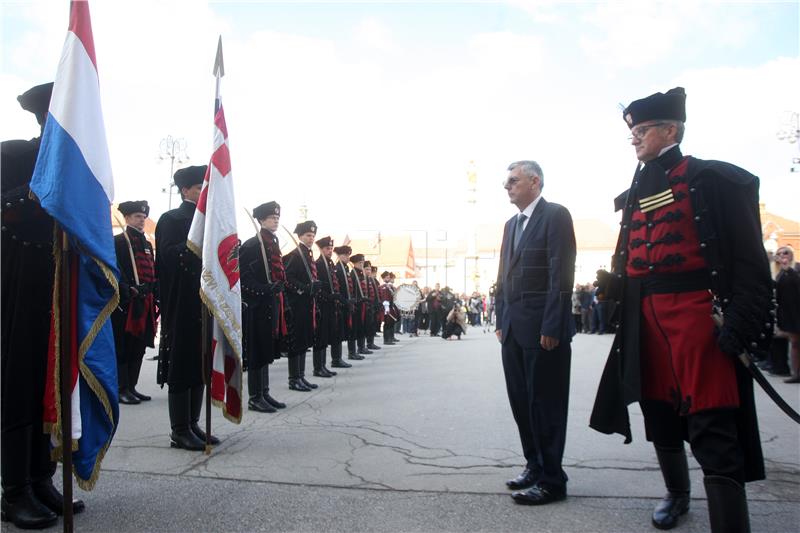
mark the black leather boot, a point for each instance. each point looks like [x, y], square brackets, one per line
[301, 364]
[265, 385]
[727, 505]
[675, 471]
[46, 493]
[125, 395]
[197, 398]
[371, 343]
[255, 391]
[18, 504]
[319, 364]
[387, 337]
[294, 374]
[134, 369]
[336, 356]
[323, 358]
[179, 419]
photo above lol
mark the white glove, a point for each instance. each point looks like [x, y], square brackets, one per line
[386, 307]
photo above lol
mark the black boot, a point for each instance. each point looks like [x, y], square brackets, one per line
[727, 505]
[180, 419]
[46, 493]
[256, 392]
[371, 343]
[362, 348]
[302, 372]
[134, 369]
[197, 406]
[265, 387]
[336, 356]
[294, 374]
[19, 505]
[125, 395]
[387, 337]
[323, 358]
[319, 364]
[675, 471]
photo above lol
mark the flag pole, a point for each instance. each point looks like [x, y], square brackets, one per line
[65, 377]
[219, 71]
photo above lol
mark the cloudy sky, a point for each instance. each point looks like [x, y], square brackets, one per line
[369, 113]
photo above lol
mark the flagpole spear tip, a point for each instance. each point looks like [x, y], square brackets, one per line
[219, 65]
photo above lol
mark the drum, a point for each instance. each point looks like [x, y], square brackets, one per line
[406, 298]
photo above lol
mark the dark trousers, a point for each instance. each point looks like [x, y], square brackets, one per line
[712, 436]
[537, 382]
[436, 321]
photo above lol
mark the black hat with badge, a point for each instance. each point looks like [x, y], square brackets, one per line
[658, 106]
[356, 258]
[129, 208]
[267, 210]
[325, 241]
[344, 249]
[309, 226]
[186, 177]
[37, 100]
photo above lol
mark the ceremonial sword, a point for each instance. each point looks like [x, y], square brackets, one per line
[747, 360]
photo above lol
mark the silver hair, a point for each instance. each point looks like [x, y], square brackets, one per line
[530, 169]
[680, 129]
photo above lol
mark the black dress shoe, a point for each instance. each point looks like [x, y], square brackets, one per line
[273, 402]
[296, 384]
[309, 384]
[364, 351]
[330, 372]
[260, 406]
[666, 513]
[142, 397]
[46, 493]
[373, 347]
[539, 495]
[338, 363]
[128, 398]
[25, 511]
[526, 479]
[389, 343]
[356, 357]
[322, 374]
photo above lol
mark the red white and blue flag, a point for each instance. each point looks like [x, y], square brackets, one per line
[73, 183]
[214, 238]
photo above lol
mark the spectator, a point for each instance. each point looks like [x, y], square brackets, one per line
[787, 293]
[576, 307]
[456, 324]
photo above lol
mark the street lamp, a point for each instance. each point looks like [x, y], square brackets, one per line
[172, 149]
[790, 132]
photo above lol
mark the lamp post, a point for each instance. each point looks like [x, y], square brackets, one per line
[172, 149]
[790, 132]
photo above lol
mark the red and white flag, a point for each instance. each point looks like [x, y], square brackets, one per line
[213, 237]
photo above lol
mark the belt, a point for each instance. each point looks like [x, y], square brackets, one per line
[694, 280]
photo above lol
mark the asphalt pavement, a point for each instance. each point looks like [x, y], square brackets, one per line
[417, 437]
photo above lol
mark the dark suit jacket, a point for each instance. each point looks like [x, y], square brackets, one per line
[534, 284]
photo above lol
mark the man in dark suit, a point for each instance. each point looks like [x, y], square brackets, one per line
[535, 328]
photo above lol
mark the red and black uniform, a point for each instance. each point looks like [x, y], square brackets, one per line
[386, 294]
[301, 286]
[134, 321]
[347, 321]
[360, 309]
[702, 247]
[265, 328]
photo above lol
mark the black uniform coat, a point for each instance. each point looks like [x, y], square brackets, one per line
[126, 281]
[178, 272]
[26, 286]
[328, 302]
[347, 332]
[300, 282]
[261, 304]
[724, 201]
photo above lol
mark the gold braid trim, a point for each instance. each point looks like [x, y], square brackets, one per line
[54, 428]
[229, 334]
[194, 248]
[91, 379]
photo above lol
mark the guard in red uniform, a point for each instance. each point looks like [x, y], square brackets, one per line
[374, 307]
[265, 328]
[390, 311]
[134, 321]
[690, 242]
[329, 301]
[360, 318]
